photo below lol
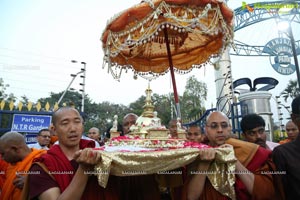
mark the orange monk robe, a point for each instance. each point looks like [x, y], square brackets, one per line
[9, 191]
[257, 160]
[3, 168]
[285, 141]
[53, 139]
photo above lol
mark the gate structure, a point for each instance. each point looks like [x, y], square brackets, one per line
[247, 15]
[27, 120]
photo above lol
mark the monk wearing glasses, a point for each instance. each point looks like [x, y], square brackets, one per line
[252, 168]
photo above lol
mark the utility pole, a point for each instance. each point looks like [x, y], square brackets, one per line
[83, 85]
[82, 70]
[74, 76]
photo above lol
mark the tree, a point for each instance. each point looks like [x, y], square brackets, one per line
[194, 96]
[95, 114]
[24, 100]
[5, 118]
[70, 98]
[101, 115]
[3, 94]
[192, 102]
[3, 87]
[162, 105]
[291, 90]
[137, 106]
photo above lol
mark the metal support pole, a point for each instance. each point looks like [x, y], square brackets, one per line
[172, 74]
[291, 36]
[74, 76]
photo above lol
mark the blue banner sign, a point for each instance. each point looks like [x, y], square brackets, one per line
[30, 138]
[30, 123]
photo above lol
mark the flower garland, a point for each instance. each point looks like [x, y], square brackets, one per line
[157, 144]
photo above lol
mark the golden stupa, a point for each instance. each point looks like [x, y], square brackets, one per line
[148, 125]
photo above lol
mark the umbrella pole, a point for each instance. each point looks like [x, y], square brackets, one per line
[172, 74]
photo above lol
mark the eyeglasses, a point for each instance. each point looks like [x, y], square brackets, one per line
[216, 125]
[45, 136]
[92, 133]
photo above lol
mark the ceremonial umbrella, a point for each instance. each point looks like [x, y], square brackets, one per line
[157, 36]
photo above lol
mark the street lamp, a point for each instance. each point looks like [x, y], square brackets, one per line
[83, 70]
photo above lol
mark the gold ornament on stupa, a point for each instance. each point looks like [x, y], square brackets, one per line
[148, 125]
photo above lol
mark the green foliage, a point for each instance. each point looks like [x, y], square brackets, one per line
[137, 106]
[101, 115]
[70, 98]
[3, 87]
[5, 118]
[278, 137]
[194, 96]
[3, 94]
[162, 105]
[291, 90]
[95, 115]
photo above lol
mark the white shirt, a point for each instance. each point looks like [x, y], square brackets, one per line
[37, 146]
[271, 145]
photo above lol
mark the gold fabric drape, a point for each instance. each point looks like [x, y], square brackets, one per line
[158, 162]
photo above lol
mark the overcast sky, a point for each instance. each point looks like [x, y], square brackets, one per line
[39, 38]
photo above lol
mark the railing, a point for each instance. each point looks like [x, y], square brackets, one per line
[201, 121]
[234, 117]
[8, 109]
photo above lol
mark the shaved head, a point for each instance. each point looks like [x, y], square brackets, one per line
[128, 121]
[13, 138]
[95, 129]
[217, 128]
[13, 147]
[57, 113]
[68, 126]
[215, 113]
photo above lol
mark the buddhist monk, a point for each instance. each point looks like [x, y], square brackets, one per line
[14, 151]
[253, 166]
[65, 168]
[292, 132]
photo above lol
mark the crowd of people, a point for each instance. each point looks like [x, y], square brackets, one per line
[263, 169]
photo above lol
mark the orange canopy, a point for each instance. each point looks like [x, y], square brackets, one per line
[197, 30]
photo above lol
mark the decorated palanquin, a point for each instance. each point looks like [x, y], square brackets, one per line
[142, 153]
